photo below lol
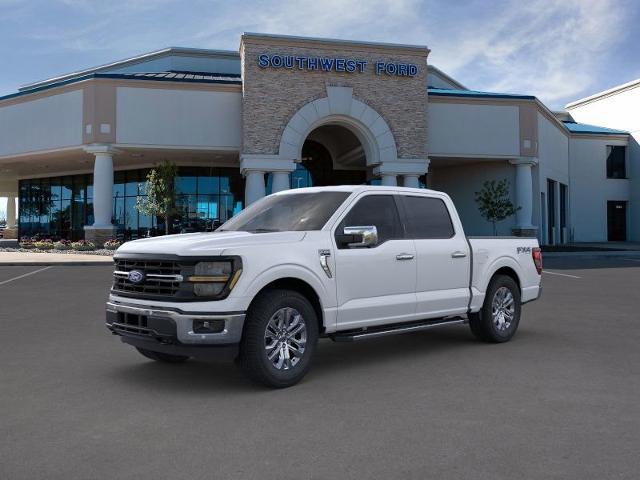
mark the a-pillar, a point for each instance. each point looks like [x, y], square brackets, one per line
[524, 196]
[102, 228]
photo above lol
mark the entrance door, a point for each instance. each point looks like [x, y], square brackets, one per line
[617, 221]
[551, 212]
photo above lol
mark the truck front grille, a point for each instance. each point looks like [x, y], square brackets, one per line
[161, 278]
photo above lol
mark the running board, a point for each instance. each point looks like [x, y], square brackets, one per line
[384, 330]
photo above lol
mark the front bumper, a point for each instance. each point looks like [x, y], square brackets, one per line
[172, 326]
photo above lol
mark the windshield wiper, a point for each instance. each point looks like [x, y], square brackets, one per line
[263, 230]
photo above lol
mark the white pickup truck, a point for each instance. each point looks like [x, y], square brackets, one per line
[345, 262]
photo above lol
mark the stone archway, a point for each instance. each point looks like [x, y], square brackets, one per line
[340, 108]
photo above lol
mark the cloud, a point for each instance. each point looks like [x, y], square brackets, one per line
[556, 49]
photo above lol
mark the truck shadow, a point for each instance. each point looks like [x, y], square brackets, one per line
[331, 359]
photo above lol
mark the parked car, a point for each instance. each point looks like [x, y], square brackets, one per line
[347, 263]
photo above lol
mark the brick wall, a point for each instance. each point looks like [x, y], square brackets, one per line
[271, 96]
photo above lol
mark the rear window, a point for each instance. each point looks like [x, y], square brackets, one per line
[427, 218]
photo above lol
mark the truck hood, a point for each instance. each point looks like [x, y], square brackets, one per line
[206, 243]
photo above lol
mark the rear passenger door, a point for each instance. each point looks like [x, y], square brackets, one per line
[442, 254]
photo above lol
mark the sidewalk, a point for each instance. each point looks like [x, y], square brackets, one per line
[37, 259]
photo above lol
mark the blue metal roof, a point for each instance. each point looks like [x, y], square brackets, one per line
[575, 127]
[173, 76]
[444, 92]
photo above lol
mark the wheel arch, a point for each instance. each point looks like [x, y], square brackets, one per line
[302, 287]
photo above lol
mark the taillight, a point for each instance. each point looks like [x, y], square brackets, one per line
[536, 253]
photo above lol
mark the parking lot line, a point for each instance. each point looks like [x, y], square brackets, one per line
[561, 274]
[25, 275]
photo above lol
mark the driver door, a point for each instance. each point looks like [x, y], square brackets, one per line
[376, 284]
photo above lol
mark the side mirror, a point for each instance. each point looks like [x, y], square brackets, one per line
[358, 237]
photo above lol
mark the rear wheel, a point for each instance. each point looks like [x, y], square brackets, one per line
[162, 357]
[499, 317]
[279, 338]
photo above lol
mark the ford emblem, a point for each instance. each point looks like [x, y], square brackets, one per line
[136, 276]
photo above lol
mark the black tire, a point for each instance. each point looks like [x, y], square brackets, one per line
[253, 349]
[482, 324]
[162, 357]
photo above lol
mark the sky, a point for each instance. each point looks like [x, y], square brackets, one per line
[558, 50]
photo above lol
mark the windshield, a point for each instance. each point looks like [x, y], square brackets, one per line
[279, 213]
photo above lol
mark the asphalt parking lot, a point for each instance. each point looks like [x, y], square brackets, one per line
[562, 400]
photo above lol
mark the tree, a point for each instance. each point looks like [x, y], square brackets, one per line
[160, 199]
[494, 203]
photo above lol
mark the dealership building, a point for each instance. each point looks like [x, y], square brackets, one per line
[288, 112]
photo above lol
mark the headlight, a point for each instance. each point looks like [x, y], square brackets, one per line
[211, 278]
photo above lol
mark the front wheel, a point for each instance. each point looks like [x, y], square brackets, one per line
[499, 317]
[279, 338]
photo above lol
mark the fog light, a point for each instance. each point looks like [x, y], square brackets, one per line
[208, 326]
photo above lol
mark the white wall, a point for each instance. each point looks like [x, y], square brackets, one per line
[553, 158]
[191, 118]
[462, 181]
[42, 124]
[462, 129]
[590, 189]
[621, 111]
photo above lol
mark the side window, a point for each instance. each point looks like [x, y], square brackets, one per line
[377, 210]
[427, 218]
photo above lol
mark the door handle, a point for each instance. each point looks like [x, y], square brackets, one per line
[404, 256]
[458, 254]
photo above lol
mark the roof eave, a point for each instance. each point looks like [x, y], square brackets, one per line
[129, 61]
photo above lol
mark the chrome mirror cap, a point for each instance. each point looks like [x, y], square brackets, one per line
[368, 235]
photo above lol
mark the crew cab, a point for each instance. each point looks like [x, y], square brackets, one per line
[344, 262]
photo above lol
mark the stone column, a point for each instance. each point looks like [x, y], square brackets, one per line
[254, 187]
[11, 232]
[411, 181]
[254, 166]
[389, 179]
[11, 211]
[102, 228]
[280, 181]
[524, 196]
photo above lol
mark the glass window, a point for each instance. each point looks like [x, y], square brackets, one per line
[209, 185]
[67, 188]
[290, 212]
[119, 179]
[427, 218]
[186, 184]
[616, 161]
[131, 185]
[379, 211]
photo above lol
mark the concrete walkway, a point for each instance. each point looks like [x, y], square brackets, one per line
[32, 258]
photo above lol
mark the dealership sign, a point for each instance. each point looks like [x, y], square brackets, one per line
[334, 64]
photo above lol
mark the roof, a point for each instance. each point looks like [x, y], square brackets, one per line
[445, 76]
[443, 92]
[575, 127]
[171, 76]
[604, 93]
[356, 189]
[145, 57]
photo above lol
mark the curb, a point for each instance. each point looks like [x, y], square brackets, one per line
[616, 253]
